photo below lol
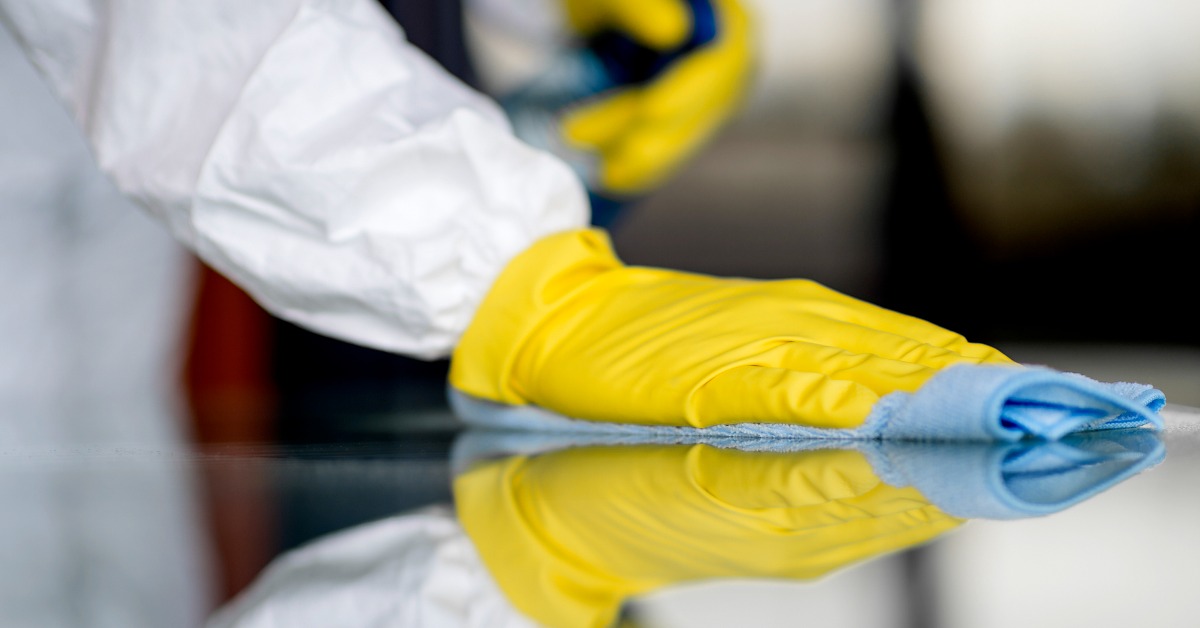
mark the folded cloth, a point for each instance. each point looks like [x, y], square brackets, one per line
[963, 402]
[988, 402]
[969, 480]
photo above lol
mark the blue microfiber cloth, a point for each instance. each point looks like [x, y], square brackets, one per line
[973, 402]
[971, 480]
[963, 402]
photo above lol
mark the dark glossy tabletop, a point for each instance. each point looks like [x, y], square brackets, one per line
[410, 520]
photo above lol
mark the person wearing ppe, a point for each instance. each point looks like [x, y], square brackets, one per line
[583, 55]
[305, 150]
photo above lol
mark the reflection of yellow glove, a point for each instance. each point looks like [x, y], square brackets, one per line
[657, 515]
[643, 132]
[569, 328]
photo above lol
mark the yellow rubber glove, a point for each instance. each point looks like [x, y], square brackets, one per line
[643, 133]
[570, 328]
[652, 516]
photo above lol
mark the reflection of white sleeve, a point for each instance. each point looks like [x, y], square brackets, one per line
[417, 570]
[307, 151]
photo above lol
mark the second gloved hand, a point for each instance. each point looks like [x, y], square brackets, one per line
[643, 130]
[569, 328]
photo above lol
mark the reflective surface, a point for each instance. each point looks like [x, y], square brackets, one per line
[385, 524]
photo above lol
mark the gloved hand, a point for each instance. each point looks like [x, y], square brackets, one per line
[654, 516]
[570, 328]
[644, 130]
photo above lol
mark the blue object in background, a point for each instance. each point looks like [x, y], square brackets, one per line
[605, 211]
[627, 62]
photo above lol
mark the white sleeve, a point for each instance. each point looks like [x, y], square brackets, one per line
[415, 569]
[307, 151]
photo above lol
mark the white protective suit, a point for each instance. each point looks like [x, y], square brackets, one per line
[305, 150]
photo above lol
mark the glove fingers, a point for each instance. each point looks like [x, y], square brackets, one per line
[717, 72]
[638, 148]
[902, 341]
[659, 24]
[649, 153]
[681, 109]
[796, 481]
[815, 299]
[598, 124]
[711, 78]
[814, 334]
[756, 394]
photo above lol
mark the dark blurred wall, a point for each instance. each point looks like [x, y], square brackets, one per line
[1015, 241]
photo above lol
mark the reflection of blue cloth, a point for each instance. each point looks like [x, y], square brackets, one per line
[1006, 480]
[964, 402]
[1020, 479]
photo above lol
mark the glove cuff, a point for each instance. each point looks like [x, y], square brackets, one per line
[528, 290]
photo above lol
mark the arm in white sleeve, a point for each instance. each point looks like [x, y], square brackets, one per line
[304, 149]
